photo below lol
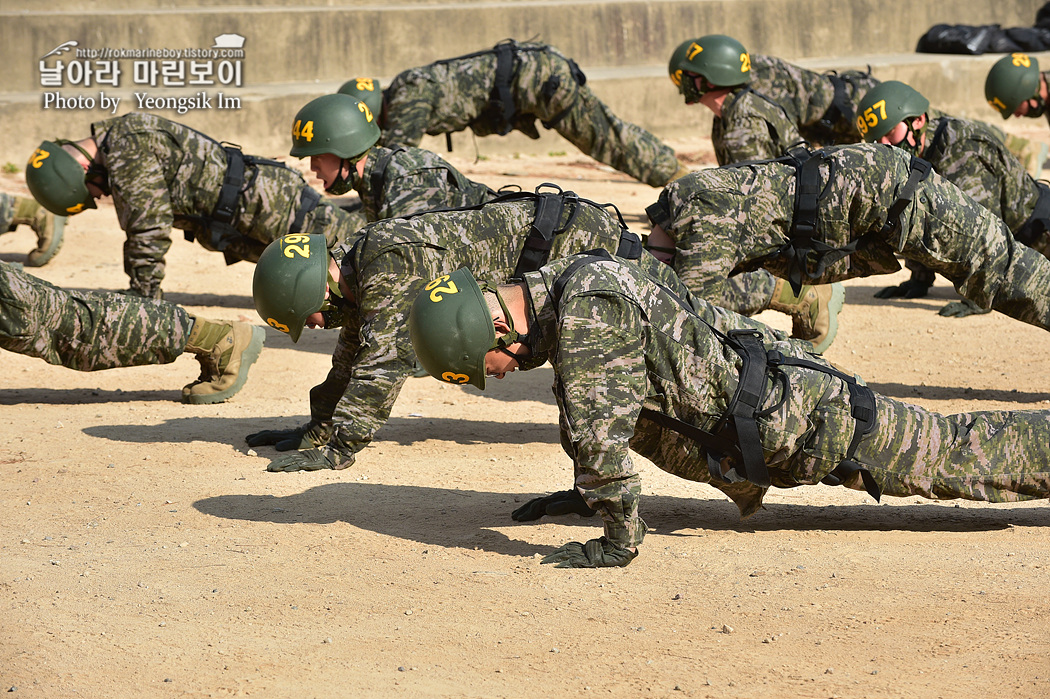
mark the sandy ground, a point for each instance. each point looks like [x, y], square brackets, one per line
[144, 552]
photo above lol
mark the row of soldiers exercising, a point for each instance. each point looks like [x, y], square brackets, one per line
[858, 207]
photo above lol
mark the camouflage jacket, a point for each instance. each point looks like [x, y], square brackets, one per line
[164, 175]
[387, 266]
[782, 105]
[738, 218]
[406, 181]
[619, 341]
[973, 157]
[457, 93]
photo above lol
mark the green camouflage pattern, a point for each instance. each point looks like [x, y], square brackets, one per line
[973, 156]
[386, 268]
[455, 94]
[7, 211]
[414, 180]
[618, 342]
[732, 219]
[165, 175]
[784, 104]
[87, 331]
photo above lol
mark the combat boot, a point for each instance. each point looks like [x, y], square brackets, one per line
[48, 228]
[225, 351]
[814, 311]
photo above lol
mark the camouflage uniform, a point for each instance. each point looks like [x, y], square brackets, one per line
[7, 211]
[739, 218]
[615, 334]
[458, 93]
[87, 331]
[973, 156]
[403, 181]
[388, 265]
[164, 175]
[783, 105]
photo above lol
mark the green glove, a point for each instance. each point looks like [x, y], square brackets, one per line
[911, 289]
[312, 460]
[596, 553]
[961, 309]
[312, 434]
[554, 505]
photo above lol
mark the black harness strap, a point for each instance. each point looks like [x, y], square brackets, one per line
[501, 97]
[1039, 221]
[737, 435]
[307, 202]
[804, 247]
[537, 247]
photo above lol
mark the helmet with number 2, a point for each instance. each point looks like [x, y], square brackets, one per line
[337, 124]
[721, 60]
[1012, 80]
[886, 105]
[367, 90]
[451, 329]
[291, 282]
[56, 180]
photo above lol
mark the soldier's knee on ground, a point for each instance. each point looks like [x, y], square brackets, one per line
[225, 352]
[814, 311]
[49, 229]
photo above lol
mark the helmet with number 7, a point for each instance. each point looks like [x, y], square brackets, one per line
[721, 60]
[886, 105]
[291, 282]
[1012, 80]
[451, 329]
[367, 90]
[337, 124]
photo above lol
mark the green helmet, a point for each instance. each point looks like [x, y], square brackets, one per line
[338, 124]
[886, 105]
[291, 281]
[367, 90]
[56, 180]
[1012, 80]
[451, 329]
[721, 60]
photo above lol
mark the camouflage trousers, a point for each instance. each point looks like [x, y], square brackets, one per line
[594, 129]
[7, 211]
[994, 456]
[87, 331]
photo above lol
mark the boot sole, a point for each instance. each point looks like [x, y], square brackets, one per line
[838, 298]
[251, 353]
[45, 256]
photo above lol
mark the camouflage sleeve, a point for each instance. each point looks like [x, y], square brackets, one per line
[384, 358]
[325, 395]
[994, 179]
[144, 209]
[601, 372]
[408, 110]
[752, 129]
[420, 190]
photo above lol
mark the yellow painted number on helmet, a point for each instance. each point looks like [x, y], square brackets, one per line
[366, 111]
[676, 78]
[694, 50]
[277, 325]
[366, 84]
[303, 131]
[39, 156]
[454, 378]
[870, 118]
[436, 290]
[745, 63]
[997, 103]
[1021, 60]
[75, 209]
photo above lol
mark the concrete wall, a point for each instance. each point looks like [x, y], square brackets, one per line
[293, 53]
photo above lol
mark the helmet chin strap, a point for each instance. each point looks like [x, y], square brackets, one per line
[1040, 106]
[511, 336]
[341, 184]
[95, 173]
[916, 134]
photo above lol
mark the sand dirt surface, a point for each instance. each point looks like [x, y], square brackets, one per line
[144, 552]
